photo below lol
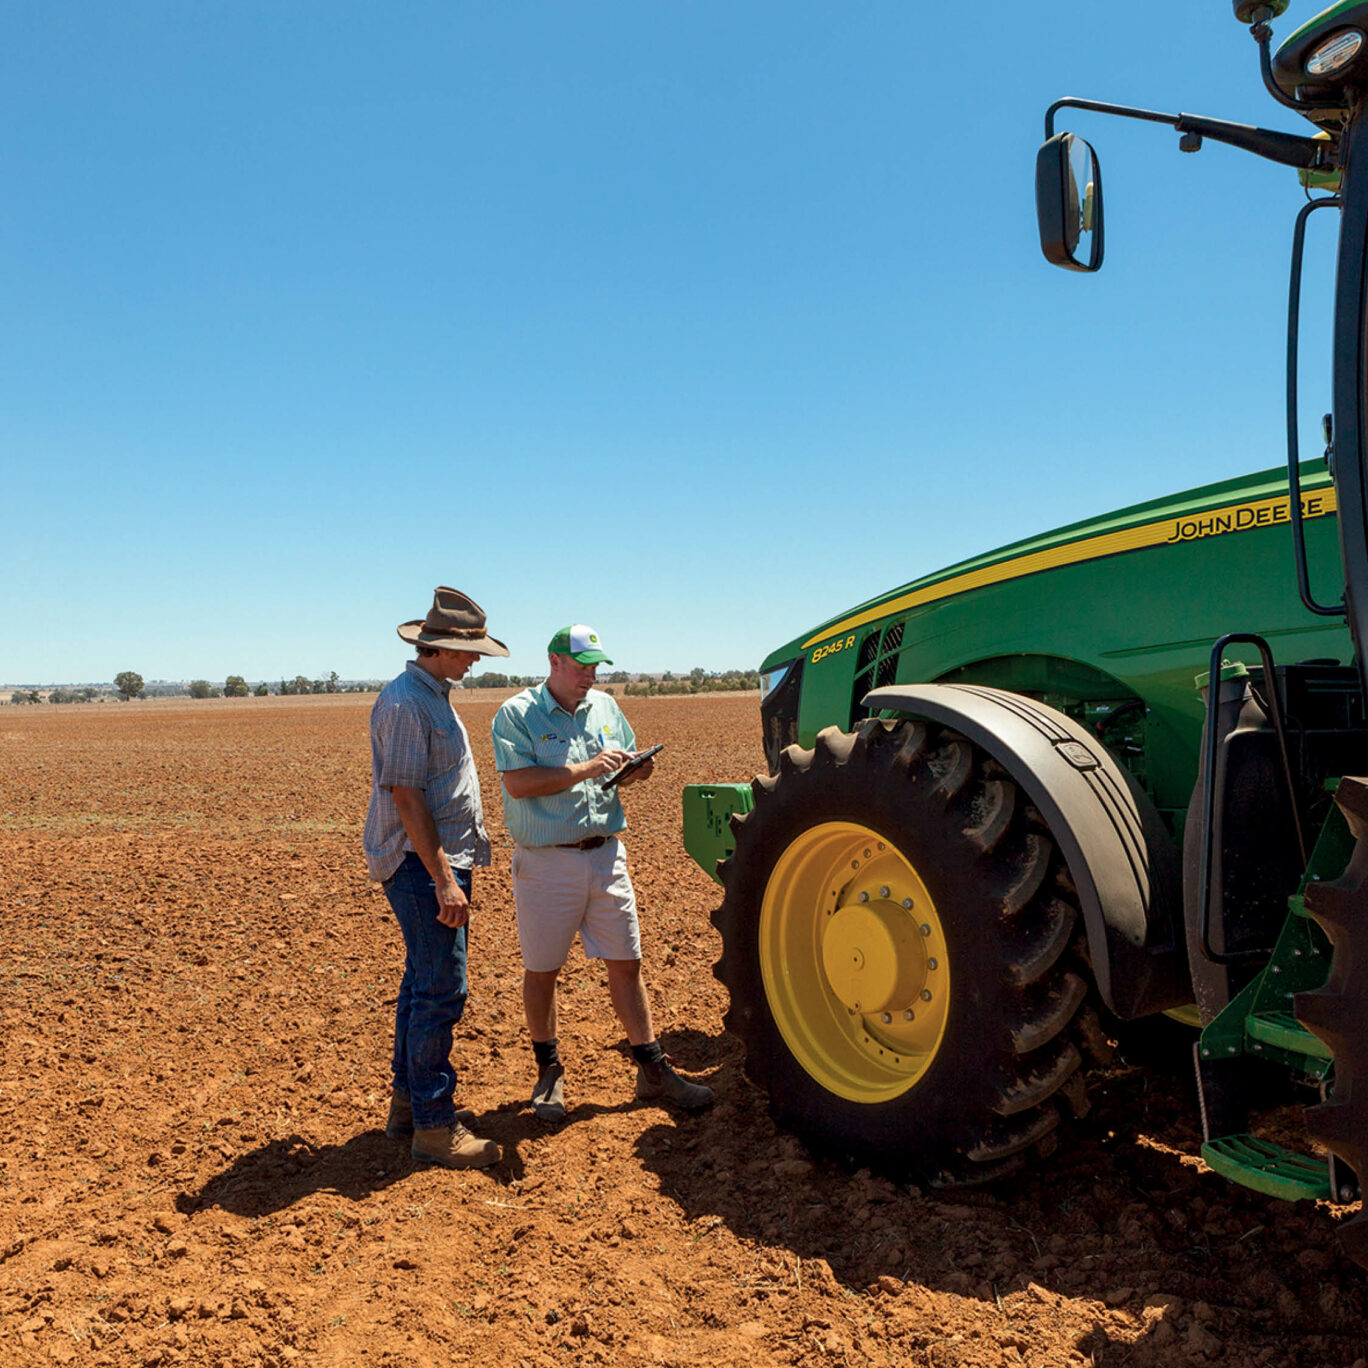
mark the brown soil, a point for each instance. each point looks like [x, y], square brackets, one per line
[195, 993]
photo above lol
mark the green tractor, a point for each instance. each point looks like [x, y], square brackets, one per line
[1097, 776]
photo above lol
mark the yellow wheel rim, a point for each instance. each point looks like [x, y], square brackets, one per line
[854, 962]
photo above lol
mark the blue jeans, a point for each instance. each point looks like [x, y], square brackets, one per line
[432, 993]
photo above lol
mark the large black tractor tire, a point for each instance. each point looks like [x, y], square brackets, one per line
[1338, 1013]
[905, 957]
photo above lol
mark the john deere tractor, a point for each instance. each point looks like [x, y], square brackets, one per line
[1113, 771]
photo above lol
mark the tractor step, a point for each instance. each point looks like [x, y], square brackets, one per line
[1268, 1168]
[1283, 1031]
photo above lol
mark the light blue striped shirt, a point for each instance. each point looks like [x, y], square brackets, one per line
[532, 729]
[417, 741]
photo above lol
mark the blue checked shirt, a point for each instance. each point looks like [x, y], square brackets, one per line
[533, 729]
[417, 741]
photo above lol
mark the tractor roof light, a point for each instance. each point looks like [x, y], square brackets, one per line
[1336, 52]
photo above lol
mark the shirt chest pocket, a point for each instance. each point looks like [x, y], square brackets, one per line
[551, 752]
[447, 746]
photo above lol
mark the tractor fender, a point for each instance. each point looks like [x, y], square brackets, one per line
[1123, 862]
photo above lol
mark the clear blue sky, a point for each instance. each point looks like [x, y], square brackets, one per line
[699, 322]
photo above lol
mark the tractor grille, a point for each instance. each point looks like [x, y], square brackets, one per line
[888, 658]
[876, 665]
[779, 715]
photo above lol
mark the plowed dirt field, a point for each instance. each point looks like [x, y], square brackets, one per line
[196, 986]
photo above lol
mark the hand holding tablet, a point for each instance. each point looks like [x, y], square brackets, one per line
[635, 763]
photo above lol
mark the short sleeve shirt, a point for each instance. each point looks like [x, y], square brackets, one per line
[532, 729]
[417, 741]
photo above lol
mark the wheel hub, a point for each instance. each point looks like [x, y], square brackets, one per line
[854, 961]
[873, 957]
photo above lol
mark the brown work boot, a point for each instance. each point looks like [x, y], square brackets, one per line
[399, 1123]
[454, 1147]
[658, 1082]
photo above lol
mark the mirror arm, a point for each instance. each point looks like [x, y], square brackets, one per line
[1287, 148]
[1263, 36]
[1098, 107]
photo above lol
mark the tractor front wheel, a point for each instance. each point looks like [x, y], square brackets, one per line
[899, 942]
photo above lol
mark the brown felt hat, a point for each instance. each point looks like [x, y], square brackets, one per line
[454, 623]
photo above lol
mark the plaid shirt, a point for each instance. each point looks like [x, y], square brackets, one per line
[417, 741]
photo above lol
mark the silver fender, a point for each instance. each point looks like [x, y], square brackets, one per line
[1123, 862]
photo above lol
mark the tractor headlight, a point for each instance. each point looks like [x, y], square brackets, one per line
[1335, 52]
[772, 679]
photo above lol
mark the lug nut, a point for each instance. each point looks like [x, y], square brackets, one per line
[908, 1015]
[926, 930]
[864, 897]
[926, 995]
[931, 964]
[886, 1018]
[884, 891]
[907, 904]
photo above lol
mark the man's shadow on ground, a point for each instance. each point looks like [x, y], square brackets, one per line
[280, 1173]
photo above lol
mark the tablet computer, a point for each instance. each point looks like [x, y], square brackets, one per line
[635, 763]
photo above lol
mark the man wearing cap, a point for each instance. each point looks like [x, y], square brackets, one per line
[553, 744]
[424, 835]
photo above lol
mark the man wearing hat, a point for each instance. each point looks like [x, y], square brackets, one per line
[424, 835]
[553, 745]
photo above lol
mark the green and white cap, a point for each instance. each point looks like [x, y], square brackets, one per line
[580, 643]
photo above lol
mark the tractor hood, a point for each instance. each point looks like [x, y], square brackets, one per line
[1209, 510]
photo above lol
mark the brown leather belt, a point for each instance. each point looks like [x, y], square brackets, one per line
[589, 843]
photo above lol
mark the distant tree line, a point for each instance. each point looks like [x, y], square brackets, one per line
[500, 681]
[128, 685]
[697, 681]
[83, 695]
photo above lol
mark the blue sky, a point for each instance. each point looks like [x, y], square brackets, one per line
[699, 322]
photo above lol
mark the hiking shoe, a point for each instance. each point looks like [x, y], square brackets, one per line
[548, 1097]
[399, 1123]
[658, 1082]
[454, 1147]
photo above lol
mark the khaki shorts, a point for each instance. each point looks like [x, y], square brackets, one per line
[561, 893]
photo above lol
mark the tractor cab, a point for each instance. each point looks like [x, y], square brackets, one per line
[1284, 986]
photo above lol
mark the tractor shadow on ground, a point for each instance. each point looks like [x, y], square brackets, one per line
[1120, 1215]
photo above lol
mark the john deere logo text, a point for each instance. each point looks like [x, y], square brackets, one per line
[1265, 513]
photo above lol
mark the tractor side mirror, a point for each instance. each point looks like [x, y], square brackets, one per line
[1069, 203]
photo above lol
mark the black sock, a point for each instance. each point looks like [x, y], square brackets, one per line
[546, 1052]
[649, 1053]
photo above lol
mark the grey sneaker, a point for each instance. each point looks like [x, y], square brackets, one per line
[454, 1147]
[659, 1083]
[548, 1097]
[399, 1123]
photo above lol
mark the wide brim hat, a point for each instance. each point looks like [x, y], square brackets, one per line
[454, 623]
[580, 643]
